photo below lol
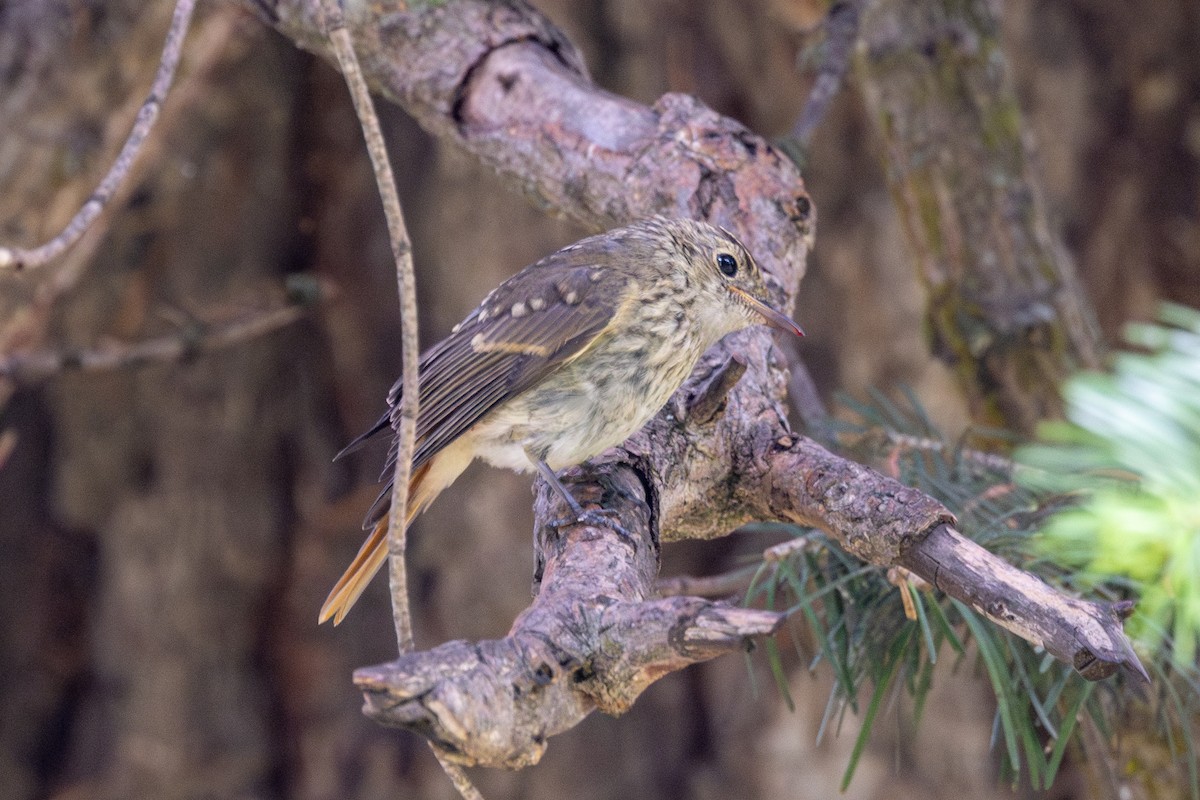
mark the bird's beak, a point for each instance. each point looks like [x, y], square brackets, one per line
[776, 319]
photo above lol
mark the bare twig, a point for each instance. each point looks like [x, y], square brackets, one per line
[28, 325]
[343, 47]
[785, 550]
[36, 366]
[841, 31]
[207, 45]
[724, 585]
[21, 258]
[904, 442]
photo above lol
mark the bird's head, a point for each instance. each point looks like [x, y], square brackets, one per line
[732, 293]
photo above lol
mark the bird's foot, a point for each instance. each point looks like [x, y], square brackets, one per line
[597, 518]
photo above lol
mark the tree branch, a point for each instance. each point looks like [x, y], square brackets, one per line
[21, 258]
[498, 80]
[193, 339]
[594, 637]
[1084, 634]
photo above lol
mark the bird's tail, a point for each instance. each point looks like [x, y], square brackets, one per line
[374, 550]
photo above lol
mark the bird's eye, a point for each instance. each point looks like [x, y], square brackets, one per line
[727, 264]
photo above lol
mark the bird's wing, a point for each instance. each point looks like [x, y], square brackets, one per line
[530, 325]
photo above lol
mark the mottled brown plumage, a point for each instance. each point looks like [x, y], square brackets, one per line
[570, 356]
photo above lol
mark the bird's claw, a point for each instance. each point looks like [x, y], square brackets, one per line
[597, 518]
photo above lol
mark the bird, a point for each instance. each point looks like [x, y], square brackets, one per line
[568, 357]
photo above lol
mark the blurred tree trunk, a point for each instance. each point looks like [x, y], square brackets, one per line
[1006, 310]
[182, 474]
[1112, 91]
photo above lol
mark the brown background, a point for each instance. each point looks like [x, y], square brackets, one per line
[168, 532]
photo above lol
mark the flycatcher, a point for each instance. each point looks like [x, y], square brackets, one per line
[567, 358]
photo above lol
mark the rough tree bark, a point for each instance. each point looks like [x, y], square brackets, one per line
[501, 82]
[1006, 310]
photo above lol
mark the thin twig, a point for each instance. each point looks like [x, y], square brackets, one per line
[21, 258]
[785, 550]
[37, 366]
[207, 45]
[992, 462]
[343, 47]
[726, 584]
[29, 323]
[841, 30]
[335, 26]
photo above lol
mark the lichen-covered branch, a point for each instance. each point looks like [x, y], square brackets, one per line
[1006, 310]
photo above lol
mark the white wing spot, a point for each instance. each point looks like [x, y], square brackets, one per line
[572, 297]
[595, 275]
[483, 314]
[518, 309]
[537, 304]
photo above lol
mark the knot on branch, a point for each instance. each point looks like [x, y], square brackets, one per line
[707, 399]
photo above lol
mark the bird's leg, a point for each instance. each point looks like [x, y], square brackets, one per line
[553, 480]
[587, 517]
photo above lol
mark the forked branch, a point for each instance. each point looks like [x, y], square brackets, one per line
[498, 80]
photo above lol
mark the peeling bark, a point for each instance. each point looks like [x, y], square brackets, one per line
[1084, 634]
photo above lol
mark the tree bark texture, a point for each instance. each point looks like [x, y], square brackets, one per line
[1005, 306]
